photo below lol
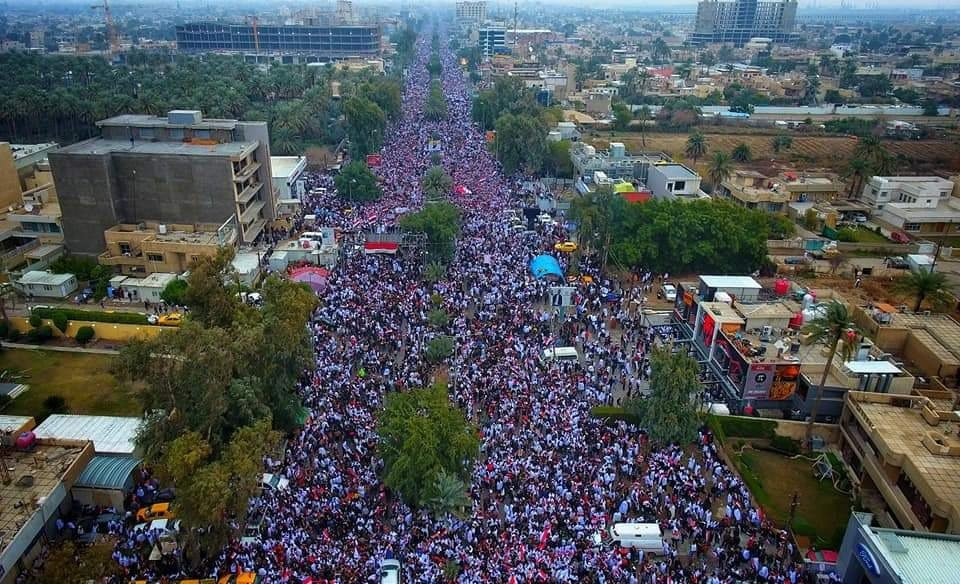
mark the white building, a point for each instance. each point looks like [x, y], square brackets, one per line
[673, 180]
[149, 288]
[471, 13]
[920, 205]
[286, 171]
[46, 285]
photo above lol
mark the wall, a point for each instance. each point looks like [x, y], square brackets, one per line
[9, 179]
[106, 331]
[85, 184]
[797, 430]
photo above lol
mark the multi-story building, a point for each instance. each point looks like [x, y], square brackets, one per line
[492, 40]
[181, 169]
[330, 42]
[903, 457]
[738, 21]
[471, 13]
[754, 190]
[148, 248]
[920, 205]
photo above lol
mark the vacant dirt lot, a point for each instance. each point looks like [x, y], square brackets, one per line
[807, 151]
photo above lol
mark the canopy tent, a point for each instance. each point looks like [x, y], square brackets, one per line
[546, 266]
[312, 276]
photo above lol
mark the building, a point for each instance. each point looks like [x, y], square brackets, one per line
[749, 338]
[739, 21]
[35, 490]
[471, 14]
[46, 285]
[111, 435]
[287, 171]
[147, 248]
[329, 42]
[180, 169]
[24, 171]
[652, 172]
[673, 181]
[876, 555]
[774, 194]
[903, 458]
[492, 40]
[919, 205]
[928, 343]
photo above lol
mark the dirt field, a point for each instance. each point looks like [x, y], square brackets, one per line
[831, 152]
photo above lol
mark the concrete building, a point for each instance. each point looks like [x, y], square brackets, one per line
[329, 42]
[925, 191]
[37, 492]
[876, 555]
[180, 169]
[287, 171]
[147, 248]
[46, 285]
[673, 181]
[903, 457]
[739, 21]
[927, 342]
[754, 190]
[492, 40]
[920, 205]
[471, 13]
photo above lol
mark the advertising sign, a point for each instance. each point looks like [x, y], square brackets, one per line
[785, 380]
[758, 381]
[866, 558]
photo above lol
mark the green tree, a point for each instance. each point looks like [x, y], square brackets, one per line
[436, 183]
[447, 495]
[830, 328]
[696, 146]
[742, 153]
[434, 272]
[598, 215]
[173, 293]
[435, 108]
[669, 414]
[621, 117]
[366, 123]
[357, 183]
[439, 348]
[558, 162]
[810, 220]
[781, 142]
[438, 318]
[659, 51]
[210, 302]
[643, 116]
[833, 96]
[440, 222]
[521, 143]
[60, 320]
[721, 167]
[421, 436]
[930, 108]
[857, 171]
[71, 563]
[925, 285]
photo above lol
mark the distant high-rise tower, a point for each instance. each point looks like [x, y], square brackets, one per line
[471, 13]
[344, 11]
[738, 21]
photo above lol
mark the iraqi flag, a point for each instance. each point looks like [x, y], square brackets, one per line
[545, 536]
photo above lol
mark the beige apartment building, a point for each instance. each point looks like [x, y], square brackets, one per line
[903, 456]
[755, 190]
[150, 247]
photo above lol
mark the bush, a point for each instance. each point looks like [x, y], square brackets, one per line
[85, 334]
[741, 427]
[92, 315]
[35, 320]
[438, 318]
[40, 334]
[614, 413]
[439, 348]
[4, 328]
[786, 445]
[55, 404]
[60, 320]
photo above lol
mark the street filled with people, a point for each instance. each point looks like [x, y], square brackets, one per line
[550, 479]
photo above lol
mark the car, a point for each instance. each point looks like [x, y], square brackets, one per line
[896, 263]
[275, 482]
[859, 217]
[899, 237]
[241, 578]
[565, 246]
[390, 572]
[612, 297]
[669, 292]
[155, 511]
[164, 526]
[795, 260]
[172, 319]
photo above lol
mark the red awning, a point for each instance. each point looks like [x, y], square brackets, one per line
[380, 247]
[636, 196]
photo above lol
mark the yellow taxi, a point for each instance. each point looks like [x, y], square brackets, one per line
[155, 511]
[172, 319]
[565, 246]
[241, 578]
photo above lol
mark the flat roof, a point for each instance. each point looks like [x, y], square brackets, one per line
[675, 171]
[920, 558]
[286, 166]
[730, 282]
[44, 278]
[939, 332]
[110, 434]
[99, 146]
[154, 280]
[43, 251]
[148, 121]
[14, 423]
[866, 367]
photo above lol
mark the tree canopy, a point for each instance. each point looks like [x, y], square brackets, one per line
[669, 414]
[366, 123]
[440, 222]
[356, 182]
[521, 143]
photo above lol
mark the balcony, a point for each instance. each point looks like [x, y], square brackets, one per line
[250, 232]
[249, 193]
[252, 212]
[246, 172]
[134, 258]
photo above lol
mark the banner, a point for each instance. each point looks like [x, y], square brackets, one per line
[491, 135]
[785, 381]
[374, 160]
[758, 381]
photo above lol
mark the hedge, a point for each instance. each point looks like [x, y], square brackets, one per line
[93, 315]
[85, 334]
[613, 413]
[741, 427]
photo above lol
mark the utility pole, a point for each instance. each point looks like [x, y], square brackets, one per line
[936, 253]
[794, 503]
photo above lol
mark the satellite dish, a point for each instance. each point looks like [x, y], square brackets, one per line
[28, 207]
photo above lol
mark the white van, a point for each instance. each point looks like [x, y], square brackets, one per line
[642, 536]
[390, 572]
[560, 354]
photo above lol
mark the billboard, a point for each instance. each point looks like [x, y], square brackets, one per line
[785, 379]
[758, 381]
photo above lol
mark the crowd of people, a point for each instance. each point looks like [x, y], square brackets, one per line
[550, 479]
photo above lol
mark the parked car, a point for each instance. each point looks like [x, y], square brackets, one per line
[155, 511]
[565, 246]
[669, 292]
[896, 263]
[899, 237]
[796, 260]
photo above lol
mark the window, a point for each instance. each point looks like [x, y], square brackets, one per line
[201, 133]
[678, 186]
[124, 247]
[146, 133]
[175, 133]
[670, 187]
[911, 227]
[155, 257]
[54, 228]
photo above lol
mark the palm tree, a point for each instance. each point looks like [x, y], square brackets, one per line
[742, 153]
[924, 285]
[659, 50]
[643, 115]
[721, 167]
[434, 272]
[857, 171]
[436, 183]
[696, 146]
[831, 328]
[782, 142]
[448, 496]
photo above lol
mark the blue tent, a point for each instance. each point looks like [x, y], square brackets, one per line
[545, 266]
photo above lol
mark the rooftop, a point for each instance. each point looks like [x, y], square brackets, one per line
[45, 278]
[676, 171]
[147, 121]
[731, 282]
[920, 558]
[897, 426]
[10, 424]
[110, 434]
[25, 150]
[99, 146]
[285, 166]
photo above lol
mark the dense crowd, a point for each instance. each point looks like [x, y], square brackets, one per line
[550, 479]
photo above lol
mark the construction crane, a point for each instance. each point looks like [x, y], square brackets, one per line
[252, 21]
[111, 30]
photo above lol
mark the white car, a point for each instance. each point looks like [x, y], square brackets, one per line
[275, 481]
[390, 572]
[859, 217]
[165, 526]
[669, 292]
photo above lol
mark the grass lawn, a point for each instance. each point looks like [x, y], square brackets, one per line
[84, 380]
[822, 512]
[864, 235]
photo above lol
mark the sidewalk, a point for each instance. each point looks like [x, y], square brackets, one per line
[9, 345]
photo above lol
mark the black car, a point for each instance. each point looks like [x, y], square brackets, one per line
[896, 263]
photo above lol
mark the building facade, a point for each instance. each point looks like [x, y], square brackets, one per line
[334, 41]
[180, 169]
[920, 205]
[492, 40]
[471, 13]
[738, 21]
[149, 248]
